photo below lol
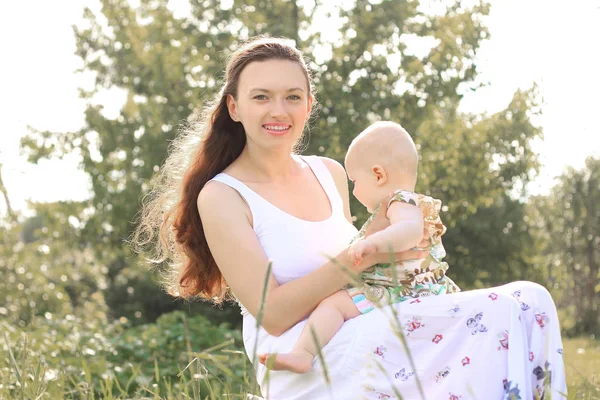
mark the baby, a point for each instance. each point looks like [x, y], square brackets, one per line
[381, 160]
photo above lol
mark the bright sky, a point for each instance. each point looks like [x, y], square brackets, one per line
[553, 43]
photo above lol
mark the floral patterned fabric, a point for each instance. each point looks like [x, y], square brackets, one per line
[498, 343]
[501, 343]
[387, 284]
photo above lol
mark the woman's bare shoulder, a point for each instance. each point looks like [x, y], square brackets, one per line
[217, 198]
[214, 191]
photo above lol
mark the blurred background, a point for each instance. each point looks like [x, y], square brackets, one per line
[501, 97]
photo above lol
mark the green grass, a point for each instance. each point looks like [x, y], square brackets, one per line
[162, 363]
[24, 377]
[582, 363]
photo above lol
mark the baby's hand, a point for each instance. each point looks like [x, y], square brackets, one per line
[360, 249]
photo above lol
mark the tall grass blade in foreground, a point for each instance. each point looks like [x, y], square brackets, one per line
[259, 317]
[321, 358]
[397, 327]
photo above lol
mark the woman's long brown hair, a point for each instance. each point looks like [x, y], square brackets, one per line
[169, 218]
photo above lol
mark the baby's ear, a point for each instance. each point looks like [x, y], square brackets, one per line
[380, 175]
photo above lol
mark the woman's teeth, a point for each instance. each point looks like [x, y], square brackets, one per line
[276, 128]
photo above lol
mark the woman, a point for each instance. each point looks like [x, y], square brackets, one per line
[233, 196]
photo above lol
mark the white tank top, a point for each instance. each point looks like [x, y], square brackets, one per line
[296, 246]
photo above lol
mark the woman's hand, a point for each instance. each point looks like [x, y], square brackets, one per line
[395, 258]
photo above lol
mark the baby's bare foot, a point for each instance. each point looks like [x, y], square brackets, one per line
[299, 362]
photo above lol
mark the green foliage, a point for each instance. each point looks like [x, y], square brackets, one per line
[59, 340]
[567, 228]
[49, 355]
[71, 357]
[479, 168]
[46, 270]
[169, 66]
[171, 339]
[120, 155]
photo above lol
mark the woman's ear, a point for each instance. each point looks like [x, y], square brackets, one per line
[380, 175]
[232, 108]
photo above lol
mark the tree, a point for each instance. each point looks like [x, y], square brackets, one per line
[567, 223]
[470, 162]
[479, 168]
[168, 66]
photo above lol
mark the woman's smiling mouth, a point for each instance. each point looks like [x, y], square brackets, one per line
[277, 129]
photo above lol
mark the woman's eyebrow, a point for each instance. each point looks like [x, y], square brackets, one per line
[268, 91]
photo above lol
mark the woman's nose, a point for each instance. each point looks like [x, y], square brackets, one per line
[278, 109]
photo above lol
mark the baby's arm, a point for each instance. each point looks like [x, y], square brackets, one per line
[404, 233]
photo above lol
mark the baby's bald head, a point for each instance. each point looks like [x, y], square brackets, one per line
[386, 144]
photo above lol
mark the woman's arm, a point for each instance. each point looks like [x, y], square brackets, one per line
[227, 223]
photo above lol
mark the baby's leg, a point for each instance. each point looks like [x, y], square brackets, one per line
[325, 320]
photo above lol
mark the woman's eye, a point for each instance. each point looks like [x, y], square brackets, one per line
[260, 97]
[294, 97]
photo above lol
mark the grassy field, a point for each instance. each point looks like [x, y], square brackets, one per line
[581, 355]
[582, 362]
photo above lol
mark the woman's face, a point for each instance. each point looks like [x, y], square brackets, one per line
[273, 103]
